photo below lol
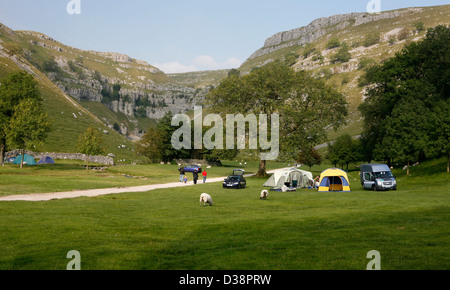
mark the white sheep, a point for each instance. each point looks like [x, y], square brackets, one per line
[206, 199]
[264, 194]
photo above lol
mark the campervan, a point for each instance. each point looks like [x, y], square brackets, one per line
[377, 177]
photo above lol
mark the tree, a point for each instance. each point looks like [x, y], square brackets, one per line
[310, 158]
[404, 112]
[90, 143]
[234, 71]
[28, 126]
[14, 88]
[149, 145]
[344, 151]
[440, 136]
[407, 133]
[305, 105]
[165, 132]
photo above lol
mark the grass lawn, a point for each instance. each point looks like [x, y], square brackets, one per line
[168, 229]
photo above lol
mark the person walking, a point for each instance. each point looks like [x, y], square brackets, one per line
[204, 176]
[181, 174]
[195, 176]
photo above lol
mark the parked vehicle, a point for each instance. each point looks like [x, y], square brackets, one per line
[192, 168]
[377, 177]
[237, 180]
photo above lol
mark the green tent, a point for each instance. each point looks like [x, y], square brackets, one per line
[28, 160]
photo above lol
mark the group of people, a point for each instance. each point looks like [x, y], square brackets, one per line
[183, 177]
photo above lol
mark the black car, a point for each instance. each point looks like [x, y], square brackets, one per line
[237, 180]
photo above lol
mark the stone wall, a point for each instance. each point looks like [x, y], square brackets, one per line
[186, 162]
[65, 156]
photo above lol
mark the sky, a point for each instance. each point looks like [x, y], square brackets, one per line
[178, 35]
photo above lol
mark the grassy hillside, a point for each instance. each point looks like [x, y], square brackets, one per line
[393, 33]
[199, 79]
[128, 91]
[69, 118]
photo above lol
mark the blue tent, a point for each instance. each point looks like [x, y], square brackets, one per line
[28, 160]
[46, 160]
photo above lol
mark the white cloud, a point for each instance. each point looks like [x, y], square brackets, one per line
[201, 62]
[175, 67]
[206, 61]
[233, 62]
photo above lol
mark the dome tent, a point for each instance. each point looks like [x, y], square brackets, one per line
[296, 178]
[46, 160]
[334, 179]
[28, 160]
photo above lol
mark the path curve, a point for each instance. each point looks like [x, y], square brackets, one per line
[105, 191]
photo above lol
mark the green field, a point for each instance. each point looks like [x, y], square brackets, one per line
[68, 175]
[168, 229]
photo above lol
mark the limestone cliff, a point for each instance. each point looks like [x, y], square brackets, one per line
[322, 26]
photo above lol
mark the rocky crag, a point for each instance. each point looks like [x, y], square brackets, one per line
[122, 84]
[323, 26]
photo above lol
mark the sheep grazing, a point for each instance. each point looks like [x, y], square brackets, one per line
[264, 194]
[206, 199]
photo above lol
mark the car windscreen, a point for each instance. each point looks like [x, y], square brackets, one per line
[383, 174]
[233, 178]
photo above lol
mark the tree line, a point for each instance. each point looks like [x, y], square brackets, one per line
[407, 109]
[23, 121]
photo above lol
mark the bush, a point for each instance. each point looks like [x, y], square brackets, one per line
[326, 73]
[50, 65]
[317, 56]
[372, 39]
[392, 40]
[366, 62]
[343, 55]
[309, 49]
[291, 58]
[333, 43]
[345, 80]
[419, 26]
[76, 69]
[404, 34]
